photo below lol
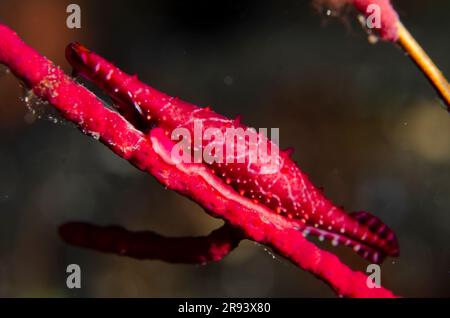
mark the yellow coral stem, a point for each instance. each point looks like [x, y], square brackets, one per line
[424, 62]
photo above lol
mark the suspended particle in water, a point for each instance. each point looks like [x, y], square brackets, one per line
[39, 109]
[228, 80]
[29, 118]
[371, 36]
[332, 8]
[4, 70]
[95, 135]
[4, 198]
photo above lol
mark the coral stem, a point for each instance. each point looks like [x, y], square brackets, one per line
[149, 245]
[150, 153]
[425, 64]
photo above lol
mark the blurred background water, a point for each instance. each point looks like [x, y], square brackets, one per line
[365, 125]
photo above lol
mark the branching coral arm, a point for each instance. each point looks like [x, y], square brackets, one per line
[150, 245]
[302, 202]
[150, 154]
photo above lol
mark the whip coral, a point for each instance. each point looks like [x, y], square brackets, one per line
[150, 151]
[278, 208]
[285, 190]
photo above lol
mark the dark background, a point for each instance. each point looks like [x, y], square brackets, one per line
[365, 125]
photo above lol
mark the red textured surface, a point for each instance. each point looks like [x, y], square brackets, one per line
[149, 245]
[288, 192]
[389, 17]
[152, 154]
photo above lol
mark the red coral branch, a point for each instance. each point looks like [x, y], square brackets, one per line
[152, 154]
[149, 245]
[287, 190]
[389, 17]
